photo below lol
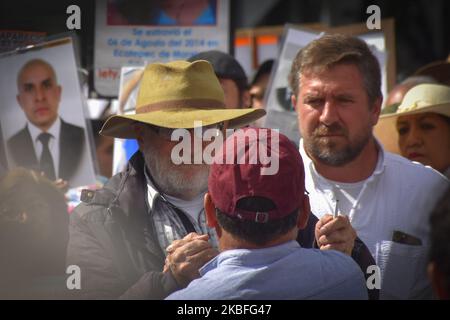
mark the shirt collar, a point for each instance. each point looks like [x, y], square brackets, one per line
[53, 130]
[250, 257]
[379, 168]
[152, 193]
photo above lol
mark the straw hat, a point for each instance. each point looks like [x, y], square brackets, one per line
[419, 99]
[174, 95]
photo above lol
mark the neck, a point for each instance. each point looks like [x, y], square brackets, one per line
[45, 127]
[358, 169]
[228, 241]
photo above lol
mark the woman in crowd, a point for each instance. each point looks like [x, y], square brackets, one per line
[421, 125]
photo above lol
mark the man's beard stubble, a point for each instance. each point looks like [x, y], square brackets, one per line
[173, 179]
[329, 152]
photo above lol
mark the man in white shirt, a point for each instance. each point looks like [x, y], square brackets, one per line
[47, 143]
[336, 83]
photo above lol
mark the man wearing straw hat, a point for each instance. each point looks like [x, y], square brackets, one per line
[144, 235]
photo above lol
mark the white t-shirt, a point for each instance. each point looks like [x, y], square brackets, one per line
[192, 207]
[398, 196]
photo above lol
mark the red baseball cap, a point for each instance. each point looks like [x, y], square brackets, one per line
[257, 162]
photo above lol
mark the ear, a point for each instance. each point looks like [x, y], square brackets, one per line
[19, 100]
[294, 102]
[59, 88]
[437, 281]
[225, 127]
[139, 131]
[376, 110]
[224, 130]
[245, 99]
[305, 210]
[210, 211]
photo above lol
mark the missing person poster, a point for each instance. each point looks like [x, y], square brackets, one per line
[42, 116]
[135, 33]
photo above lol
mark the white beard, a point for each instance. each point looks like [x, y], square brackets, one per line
[185, 181]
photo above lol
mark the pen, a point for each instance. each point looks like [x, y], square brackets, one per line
[336, 209]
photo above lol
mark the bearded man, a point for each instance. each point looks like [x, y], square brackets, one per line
[336, 82]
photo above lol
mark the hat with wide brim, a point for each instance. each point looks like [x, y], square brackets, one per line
[419, 99]
[179, 94]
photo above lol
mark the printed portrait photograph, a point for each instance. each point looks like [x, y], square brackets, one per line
[42, 114]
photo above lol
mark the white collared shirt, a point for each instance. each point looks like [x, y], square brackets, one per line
[53, 143]
[398, 196]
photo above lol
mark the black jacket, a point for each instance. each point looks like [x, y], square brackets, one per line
[71, 145]
[112, 240]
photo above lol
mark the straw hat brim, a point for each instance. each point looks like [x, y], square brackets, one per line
[386, 129]
[120, 126]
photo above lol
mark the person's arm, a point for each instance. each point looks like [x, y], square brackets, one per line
[184, 258]
[152, 285]
[91, 249]
[99, 277]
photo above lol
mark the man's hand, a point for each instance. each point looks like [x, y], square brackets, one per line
[186, 256]
[335, 233]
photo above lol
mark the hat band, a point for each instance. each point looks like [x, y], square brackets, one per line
[183, 103]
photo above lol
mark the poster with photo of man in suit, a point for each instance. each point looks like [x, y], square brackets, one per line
[42, 115]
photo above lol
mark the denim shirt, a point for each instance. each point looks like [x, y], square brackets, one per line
[285, 271]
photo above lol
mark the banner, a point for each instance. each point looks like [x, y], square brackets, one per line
[135, 33]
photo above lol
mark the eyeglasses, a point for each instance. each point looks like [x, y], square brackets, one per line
[199, 132]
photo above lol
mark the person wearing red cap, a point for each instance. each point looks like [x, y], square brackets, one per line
[257, 216]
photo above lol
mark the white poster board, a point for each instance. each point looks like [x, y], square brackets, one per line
[130, 78]
[280, 113]
[135, 33]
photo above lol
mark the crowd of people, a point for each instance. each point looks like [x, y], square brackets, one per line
[334, 208]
